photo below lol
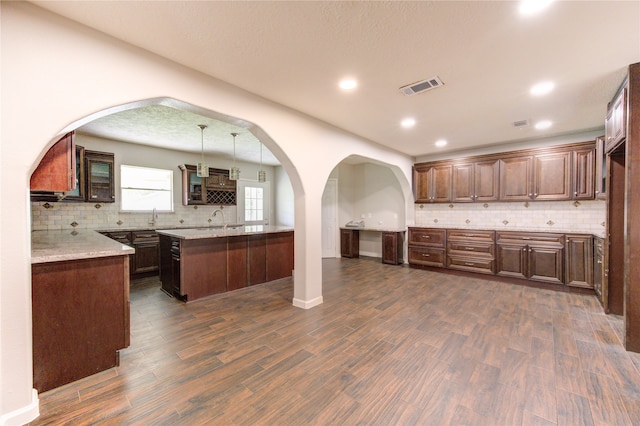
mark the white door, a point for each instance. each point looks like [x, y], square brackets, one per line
[330, 219]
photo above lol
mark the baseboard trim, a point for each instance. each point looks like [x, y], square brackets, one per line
[22, 415]
[307, 304]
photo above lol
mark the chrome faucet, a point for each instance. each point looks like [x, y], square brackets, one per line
[154, 217]
[215, 213]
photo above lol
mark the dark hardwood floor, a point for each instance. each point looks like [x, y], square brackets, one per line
[390, 345]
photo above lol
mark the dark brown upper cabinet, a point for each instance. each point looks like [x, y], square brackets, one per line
[432, 184]
[57, 169]
[477, 181]
[584, 179]
[546, 174]
[601, 170]
[515, 178]
[615, 124]
[216, 189]
[99, 169]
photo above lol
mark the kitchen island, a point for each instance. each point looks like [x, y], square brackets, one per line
[80, 305]
[199, 262]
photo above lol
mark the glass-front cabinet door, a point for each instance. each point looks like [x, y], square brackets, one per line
[99, 176]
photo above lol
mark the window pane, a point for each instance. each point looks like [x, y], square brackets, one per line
[146, 178]
[144, 199]
[144, 189]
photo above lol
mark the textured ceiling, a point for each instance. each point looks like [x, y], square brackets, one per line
[485, 52]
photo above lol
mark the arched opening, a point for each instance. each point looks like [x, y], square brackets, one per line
[365, 193]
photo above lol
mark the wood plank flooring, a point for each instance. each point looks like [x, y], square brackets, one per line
[390, 345]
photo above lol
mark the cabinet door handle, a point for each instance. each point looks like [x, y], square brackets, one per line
[469, 248]
[575, 193]
[529, 250]
[425, 255]
[425, 236]
[600, 261]
[469, 264]
[524, 249]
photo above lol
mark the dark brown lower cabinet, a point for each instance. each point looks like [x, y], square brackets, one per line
[427, 256]
[598, 267]
[236, 262]
[531, 255]
[80, 318]
[279, 255]
[350, 243]
[392, 247]
[257, 258]
[194, 268]
[531, 262]
[579, 261]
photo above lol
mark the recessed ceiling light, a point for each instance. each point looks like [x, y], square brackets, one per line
[440, 143]
[542, 88]
[408, 122]
[348, 84]
[544, 124]
[530, 7]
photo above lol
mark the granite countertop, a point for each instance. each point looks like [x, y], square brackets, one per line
[218, 232]
[57, 246]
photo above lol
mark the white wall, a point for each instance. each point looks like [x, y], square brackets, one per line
[57, 75]
[284, 198]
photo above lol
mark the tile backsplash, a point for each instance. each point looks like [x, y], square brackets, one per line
[542, 216]
[58, 215]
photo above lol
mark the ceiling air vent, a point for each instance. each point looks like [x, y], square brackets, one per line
[421, 86]
[521, 123]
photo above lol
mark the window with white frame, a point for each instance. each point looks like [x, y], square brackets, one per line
[145, 189]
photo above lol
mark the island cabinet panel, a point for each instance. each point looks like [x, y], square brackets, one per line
[80, 318]
[203, 267]
[237, 262]
[257, 259]
[279, 255]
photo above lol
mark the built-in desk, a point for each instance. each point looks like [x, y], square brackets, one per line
[392, 243]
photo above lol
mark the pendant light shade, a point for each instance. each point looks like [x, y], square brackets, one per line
[203, 168]
[234, 172]
[262, 175]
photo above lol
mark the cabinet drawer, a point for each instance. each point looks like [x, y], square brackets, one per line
[144, 237]
[427, 256]
[468, 235]
[530, 238]
[121, 237]
[483, 266]
[431, 237]
[472, 249]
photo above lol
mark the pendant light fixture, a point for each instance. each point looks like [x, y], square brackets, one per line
[262, 175]
[234, 172]
[203, 168]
